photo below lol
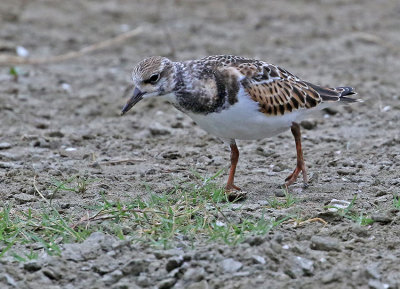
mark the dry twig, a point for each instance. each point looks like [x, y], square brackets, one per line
[115, 162]
[301, 223]
[6, 59]
[37, 190]
[106, 215]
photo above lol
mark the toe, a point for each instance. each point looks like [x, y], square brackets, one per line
[235, 196]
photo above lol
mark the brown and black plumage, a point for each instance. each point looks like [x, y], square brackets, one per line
[236, 98]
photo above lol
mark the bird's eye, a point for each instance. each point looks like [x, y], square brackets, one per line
[153, 79]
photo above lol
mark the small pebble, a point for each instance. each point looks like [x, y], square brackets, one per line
[381, 199]
[376, 284]
[10, 280]
[194, 274]
[337, 204]
[66, 87]
[258, 259]
[324, 244]
[280, 193]
[23, 198]
[199, 285]
[135, 267]
[306, 265]
[331, 110]
[230, 265]
[166, 283]
[371, 272]
[32, 266]
[52, 274]
[5, 145]
[330, 277]
[56, 133]
[8, 165]
[346, 172]
[22, 51]
[158, 129]
[172, 155]
[308, 124]
[112, 277]
[143, 281]
[381, 218]
[173, 263]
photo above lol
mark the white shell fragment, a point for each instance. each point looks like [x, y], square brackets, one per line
[334, 205]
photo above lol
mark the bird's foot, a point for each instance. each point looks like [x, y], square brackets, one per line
[301, 167]
[234, 193]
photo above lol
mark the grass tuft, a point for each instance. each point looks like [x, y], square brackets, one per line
[75, 184]
[187, 213]
[396, 201]
[352, 214]
[45, 230]
[288, 201]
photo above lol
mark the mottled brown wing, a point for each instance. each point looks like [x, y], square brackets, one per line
[276, 90]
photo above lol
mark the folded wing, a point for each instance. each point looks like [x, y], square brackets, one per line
[277, 91]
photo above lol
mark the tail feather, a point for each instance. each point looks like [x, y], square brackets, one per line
[343, 92]
[335, 93]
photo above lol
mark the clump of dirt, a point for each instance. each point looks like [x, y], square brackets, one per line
[60, 120]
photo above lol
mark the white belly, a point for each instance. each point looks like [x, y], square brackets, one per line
[243, 120]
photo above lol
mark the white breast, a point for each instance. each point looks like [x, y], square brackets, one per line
[243, 120]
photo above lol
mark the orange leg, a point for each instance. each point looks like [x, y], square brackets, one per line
[301, 167]
[234, 160]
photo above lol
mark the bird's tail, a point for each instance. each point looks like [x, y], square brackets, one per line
[331, 94]
[344, 91]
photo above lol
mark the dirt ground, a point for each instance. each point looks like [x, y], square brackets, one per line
[76, 103]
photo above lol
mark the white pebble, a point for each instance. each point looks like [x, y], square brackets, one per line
[22, 51]
[66, 87]
[124, 27]
[220, 224]
[70, 149]
[338, 204]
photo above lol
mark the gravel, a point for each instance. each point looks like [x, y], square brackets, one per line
[61, 119]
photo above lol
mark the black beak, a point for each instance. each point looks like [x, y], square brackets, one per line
[137, 96]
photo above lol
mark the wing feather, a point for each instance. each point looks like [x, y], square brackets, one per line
[276, 90]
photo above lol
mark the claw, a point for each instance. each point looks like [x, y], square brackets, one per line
[293, 176]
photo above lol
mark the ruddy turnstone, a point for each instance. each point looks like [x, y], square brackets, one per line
[233, 98]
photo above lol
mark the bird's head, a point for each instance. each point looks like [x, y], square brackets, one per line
[152, 76]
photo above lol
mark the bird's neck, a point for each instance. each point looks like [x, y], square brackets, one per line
[204, 90]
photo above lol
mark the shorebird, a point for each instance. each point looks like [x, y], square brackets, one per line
[234, 97]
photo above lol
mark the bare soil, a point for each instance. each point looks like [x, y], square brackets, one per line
[76, 103]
